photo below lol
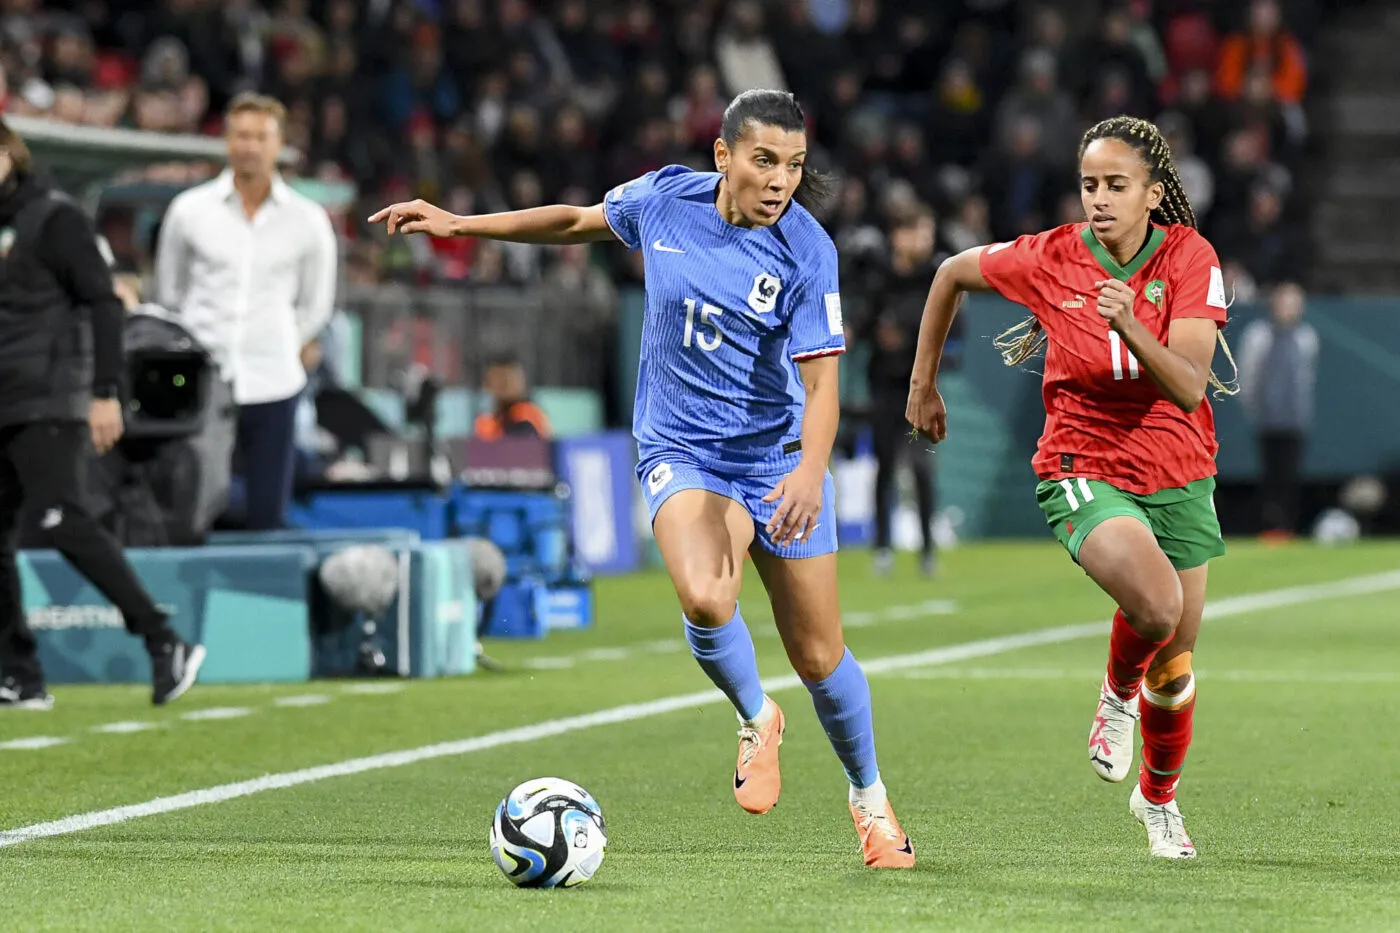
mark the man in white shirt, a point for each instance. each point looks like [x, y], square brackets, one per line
[250, 266]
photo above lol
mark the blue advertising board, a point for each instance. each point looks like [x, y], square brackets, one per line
[601, 472]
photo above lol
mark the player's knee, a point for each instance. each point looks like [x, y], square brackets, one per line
[815, 658]
[1158, 614]
[707, 603]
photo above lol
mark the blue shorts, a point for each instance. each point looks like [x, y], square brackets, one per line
[662, 475]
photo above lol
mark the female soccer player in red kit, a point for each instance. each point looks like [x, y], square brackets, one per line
[1128, 307]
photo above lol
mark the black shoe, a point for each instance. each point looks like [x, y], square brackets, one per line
[174, 667]
[15, 695]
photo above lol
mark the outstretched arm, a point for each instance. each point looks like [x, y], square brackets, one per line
[956, 276]
[555, 224]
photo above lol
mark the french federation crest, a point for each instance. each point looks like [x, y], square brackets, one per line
[7, 240]
[764, 296]
[1156, 292]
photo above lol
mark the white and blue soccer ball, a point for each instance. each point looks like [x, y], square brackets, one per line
[548, 833]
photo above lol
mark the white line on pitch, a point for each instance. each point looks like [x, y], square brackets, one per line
[856, 619]
[217, 712]
[1356, 586]
[32, 742]
[304, 699]
[1087, 674]
[125, 728]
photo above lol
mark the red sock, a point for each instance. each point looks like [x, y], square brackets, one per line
[1166, 735]
[1129, 655]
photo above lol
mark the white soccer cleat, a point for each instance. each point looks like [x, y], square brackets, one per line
[1111, 736]
[1166, 828]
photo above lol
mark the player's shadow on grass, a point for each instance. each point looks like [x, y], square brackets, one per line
[1324, 863]
[493, 882]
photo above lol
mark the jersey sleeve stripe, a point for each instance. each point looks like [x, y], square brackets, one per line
[608, 220]
[814, 354]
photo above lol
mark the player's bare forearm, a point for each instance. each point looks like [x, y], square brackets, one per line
[822, 412]
[1181, 368]
[556, 224]
[553, 224]
[956, 277]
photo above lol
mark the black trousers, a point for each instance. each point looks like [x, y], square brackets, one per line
[894, 444]
[266, 448]
[43, 468]
[1281, 456]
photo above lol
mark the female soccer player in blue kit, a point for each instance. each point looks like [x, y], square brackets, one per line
[735, 417]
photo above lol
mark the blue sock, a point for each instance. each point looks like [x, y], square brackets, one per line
[726, 654]
[843, 706]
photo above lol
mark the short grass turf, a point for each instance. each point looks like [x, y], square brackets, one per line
[1290, 791]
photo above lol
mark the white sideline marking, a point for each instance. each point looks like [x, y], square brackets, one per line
[606, 654]
[305, 699]
[217, 712]
[80, 822]
[857, 619]
[550, 663]
[124, 728]
[1091, 675]
[373, 689]
[34, 741]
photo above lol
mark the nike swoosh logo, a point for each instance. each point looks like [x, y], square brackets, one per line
[908, 847]
[665, 249]
[738, 781]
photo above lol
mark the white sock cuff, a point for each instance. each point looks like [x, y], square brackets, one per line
[765, 715]
[871, 796]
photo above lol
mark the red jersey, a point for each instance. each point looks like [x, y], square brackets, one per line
[1104, 417]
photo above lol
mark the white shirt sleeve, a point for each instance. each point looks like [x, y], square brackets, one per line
[172, 264]
[317, 277]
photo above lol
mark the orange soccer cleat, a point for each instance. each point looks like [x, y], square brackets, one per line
[756, 778]
[883, 842]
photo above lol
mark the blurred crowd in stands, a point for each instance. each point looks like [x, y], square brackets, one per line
[972, 108]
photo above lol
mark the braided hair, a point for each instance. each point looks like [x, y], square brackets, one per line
[1023, 341]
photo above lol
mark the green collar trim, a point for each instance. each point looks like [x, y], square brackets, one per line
[1110, 265]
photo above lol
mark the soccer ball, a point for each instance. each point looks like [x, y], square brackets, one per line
[548, 833]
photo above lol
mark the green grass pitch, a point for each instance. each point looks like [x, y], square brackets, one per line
[1291, 792]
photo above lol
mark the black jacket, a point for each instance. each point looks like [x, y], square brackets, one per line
[60, 320]
[897, 308]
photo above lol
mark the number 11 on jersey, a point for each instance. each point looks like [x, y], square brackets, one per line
[1115, 346]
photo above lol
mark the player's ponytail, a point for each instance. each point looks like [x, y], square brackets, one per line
[762, 107]
[1020, 343]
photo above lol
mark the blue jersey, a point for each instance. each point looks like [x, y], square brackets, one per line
[730, 312]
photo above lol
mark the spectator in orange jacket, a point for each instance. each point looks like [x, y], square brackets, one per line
[512, 414]
[1266, 45]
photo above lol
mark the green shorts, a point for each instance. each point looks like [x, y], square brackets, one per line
[1182, 520]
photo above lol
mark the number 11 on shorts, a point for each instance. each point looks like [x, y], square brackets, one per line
[1115, 346]
[1084, 491]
